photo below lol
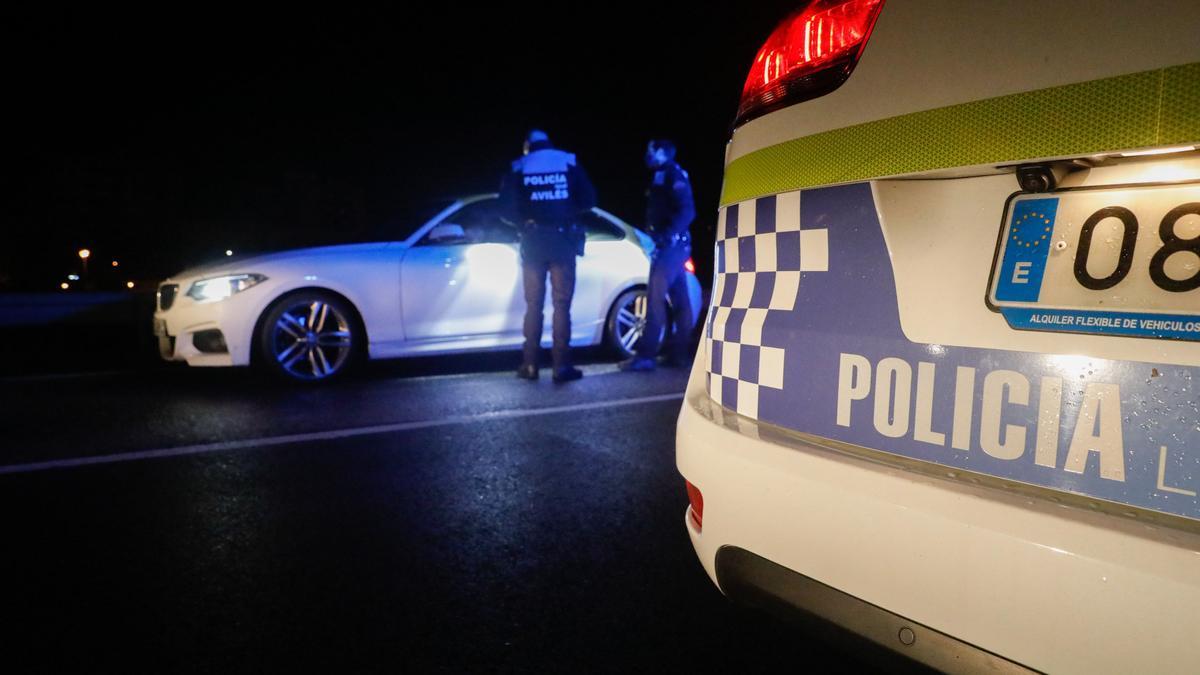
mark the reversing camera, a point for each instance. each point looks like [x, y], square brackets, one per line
[1040, 177]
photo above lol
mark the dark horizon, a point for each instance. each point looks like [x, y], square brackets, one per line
[162, 142]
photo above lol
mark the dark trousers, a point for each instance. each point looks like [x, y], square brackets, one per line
[667, 278]
[562, 284]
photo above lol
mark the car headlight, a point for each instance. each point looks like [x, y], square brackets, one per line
[219, 288]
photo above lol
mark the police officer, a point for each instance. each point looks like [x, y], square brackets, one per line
[669, 212]
[543, 194]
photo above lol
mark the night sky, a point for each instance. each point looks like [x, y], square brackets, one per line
[163, 139]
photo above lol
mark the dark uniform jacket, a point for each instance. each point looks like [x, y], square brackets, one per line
[544, 194]
[669, 205]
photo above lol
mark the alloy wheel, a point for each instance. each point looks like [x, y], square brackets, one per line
[629, 321]
[311, 340]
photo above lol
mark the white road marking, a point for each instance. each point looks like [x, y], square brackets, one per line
[242, 444]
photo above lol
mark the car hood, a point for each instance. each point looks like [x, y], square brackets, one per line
[258, 262]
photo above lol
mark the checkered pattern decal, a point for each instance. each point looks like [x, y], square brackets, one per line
[761, 255]
[783, 337]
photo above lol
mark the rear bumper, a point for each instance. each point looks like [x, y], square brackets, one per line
[1054, 587]
[754, 581]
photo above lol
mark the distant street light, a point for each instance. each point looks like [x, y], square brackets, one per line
[84, 254]
[128, 284]
[64, 285]
[116, 264]
[228, 253]
[72, 277]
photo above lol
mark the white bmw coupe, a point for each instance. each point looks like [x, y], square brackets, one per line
[453, 285]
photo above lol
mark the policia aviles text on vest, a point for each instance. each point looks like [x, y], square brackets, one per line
[543, 195]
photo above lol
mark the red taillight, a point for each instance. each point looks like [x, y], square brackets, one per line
[810, 54]
[689, 265]
[696, 505]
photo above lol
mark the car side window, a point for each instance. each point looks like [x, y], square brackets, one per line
[600, 228]
[477, 223]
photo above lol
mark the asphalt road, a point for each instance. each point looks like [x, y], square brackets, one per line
[426, 516]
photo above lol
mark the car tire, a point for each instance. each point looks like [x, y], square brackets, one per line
[627, 321]
[309, 337]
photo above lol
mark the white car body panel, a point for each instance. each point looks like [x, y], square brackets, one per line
[464, 290]
[1058, 584]
[482, 285]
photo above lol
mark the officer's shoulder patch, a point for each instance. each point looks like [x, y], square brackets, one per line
[518, 163]
[570, 158]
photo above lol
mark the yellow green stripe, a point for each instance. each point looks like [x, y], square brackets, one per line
[1156, 107]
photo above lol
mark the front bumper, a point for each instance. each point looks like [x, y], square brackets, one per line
[185, 329]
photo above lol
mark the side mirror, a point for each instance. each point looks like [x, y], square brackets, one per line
[446, 232]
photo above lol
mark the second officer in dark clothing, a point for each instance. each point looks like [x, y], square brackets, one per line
[670, 210]
[544, 194]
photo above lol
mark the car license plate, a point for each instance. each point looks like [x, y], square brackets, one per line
[160, 327]
[1113, 261]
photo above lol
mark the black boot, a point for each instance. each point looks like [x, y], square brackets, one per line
[567, 374]
[637, 364]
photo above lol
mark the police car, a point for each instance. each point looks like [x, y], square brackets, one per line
[948, 396]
